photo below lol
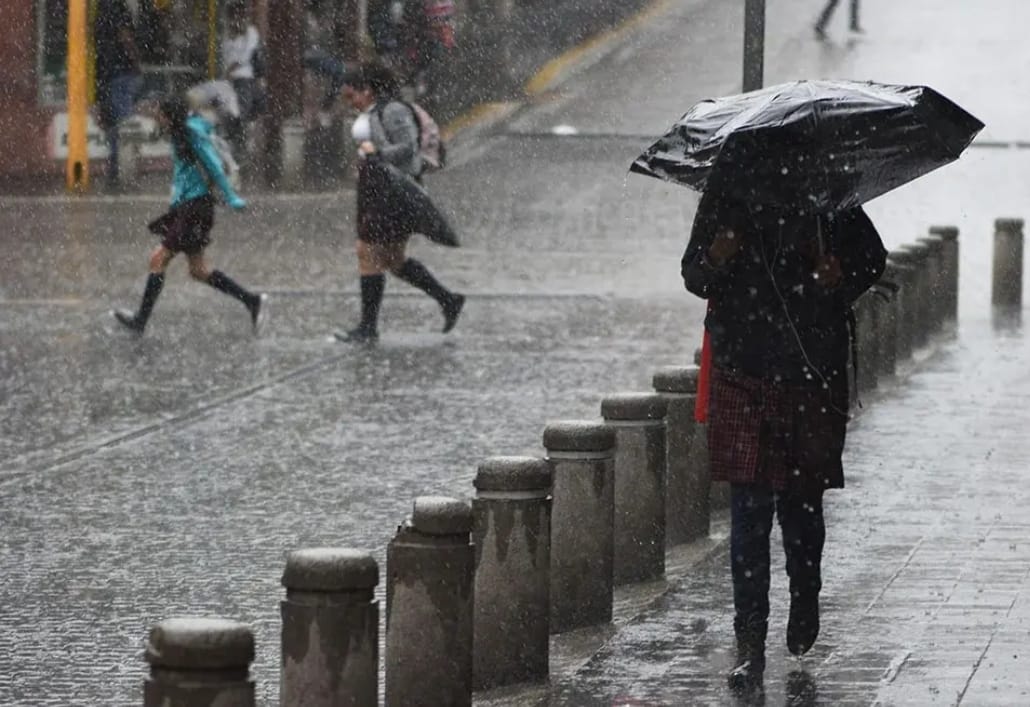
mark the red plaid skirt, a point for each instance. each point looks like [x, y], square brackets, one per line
[777, 435]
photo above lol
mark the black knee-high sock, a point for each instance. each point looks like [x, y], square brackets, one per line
[155, 283]
[417, 275]
[371, 297]
[223, 283]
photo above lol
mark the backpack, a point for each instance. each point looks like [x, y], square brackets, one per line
[431, 146]
[430, 142]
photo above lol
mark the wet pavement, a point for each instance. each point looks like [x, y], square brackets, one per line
[147, 478]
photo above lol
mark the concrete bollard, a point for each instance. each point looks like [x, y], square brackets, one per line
[937, 289]
[512, 534]
[905, 263]
[639, 423]
[581, 455]
[949, 234]
[429, 599]
[199, 661]
[330, 635]
[689, 492]
[887, 325]
[867, 343]
[1007, 275]
[923, 318]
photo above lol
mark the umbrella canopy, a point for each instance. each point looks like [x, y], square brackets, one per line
[814, 145]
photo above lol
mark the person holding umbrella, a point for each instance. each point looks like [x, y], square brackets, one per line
[780, 248]
[780, 283]
[391, 203]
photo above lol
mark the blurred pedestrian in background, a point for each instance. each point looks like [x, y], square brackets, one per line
[827, 13]
[386, 130]
[118, 79]
[242, 65]
[186, 227]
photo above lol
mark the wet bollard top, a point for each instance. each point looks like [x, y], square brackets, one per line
[688, 500]
[199, 661]
[512, 533]
[581, 455]
[429, 599]
[639, 423]
[330, 629]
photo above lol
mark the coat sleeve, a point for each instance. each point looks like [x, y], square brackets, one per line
[699, 276]
[401, 134]
[861, 252]
[211, 163]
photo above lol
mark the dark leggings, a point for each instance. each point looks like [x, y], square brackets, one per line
[801, 519]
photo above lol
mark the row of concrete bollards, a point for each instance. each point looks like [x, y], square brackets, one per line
[474, 591]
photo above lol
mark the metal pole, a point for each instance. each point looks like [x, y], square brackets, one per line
[77, 168]
[754, 44]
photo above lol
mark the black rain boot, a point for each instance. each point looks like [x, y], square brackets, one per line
[417, 275]
[803, 624]
[138, 322]
[372, 287]
[746, 678]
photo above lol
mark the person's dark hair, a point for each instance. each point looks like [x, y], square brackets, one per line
[176, 110]
[373, 76]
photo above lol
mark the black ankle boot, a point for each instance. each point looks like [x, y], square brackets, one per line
[372, 287]
[128, 320]
[417, 275]
[138, 322]
[451, 309]
[748, 672]
[803, 624]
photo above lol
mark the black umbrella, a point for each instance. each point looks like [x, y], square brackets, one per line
[401, 205]
[815, 145]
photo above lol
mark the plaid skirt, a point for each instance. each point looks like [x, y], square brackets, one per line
[776, 435]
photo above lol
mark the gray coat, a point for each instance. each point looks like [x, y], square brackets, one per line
[395, 133]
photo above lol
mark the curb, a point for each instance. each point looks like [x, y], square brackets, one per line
[554, 72]
[577, 58]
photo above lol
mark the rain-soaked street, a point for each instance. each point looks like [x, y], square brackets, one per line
[167, 475]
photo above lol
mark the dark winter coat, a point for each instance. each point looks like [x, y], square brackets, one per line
[771, 275]
[780, 341]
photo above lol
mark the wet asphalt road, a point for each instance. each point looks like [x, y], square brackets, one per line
[148, 478]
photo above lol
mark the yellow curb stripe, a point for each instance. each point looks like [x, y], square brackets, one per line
[547, 76]
[473, 116]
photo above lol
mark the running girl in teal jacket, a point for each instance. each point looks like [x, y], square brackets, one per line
[186, 227]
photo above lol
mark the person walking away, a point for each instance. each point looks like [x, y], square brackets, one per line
[780, 285]
[117, 75]
[386, 129]
[241, 63]
[827, 13]
[186, 227]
